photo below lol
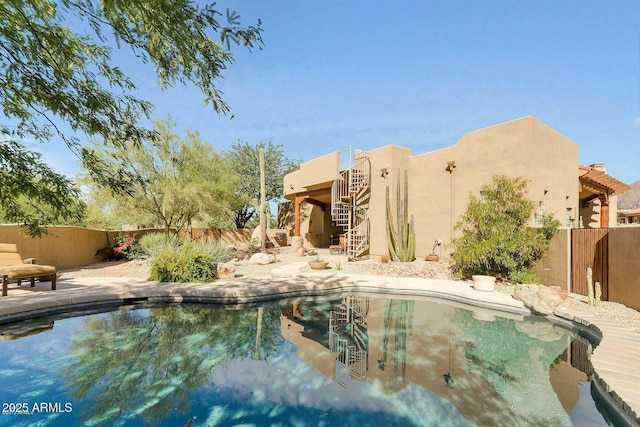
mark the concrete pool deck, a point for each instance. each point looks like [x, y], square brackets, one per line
[616, 360]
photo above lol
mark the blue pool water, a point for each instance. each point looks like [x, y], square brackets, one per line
[340, 360]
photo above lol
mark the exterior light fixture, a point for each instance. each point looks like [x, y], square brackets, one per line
[437, 243]
[451, 166]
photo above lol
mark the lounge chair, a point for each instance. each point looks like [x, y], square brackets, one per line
[13, 267]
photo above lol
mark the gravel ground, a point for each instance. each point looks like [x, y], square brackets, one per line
[615, 312]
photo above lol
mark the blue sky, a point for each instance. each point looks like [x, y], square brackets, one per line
[421, 74]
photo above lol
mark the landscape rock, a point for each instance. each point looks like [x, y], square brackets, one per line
[539, 299]
[261, 258]
[226, 270]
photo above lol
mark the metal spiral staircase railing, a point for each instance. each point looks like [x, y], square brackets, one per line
[349, 206]
[348, 339]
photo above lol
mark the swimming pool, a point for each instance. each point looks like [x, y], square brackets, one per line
[348, 358]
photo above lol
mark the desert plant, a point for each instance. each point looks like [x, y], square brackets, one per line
[524, 275]
[154, 243]
[401, 239]
[495, 238]
[191, 262]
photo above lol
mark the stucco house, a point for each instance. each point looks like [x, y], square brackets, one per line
[329, 200]
[629, 216]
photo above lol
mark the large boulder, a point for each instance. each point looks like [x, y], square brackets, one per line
[261, 258]
[226, 270]
[539, 299]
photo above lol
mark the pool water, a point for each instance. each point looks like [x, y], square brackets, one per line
[341, 360]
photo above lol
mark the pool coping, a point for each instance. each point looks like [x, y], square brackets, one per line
[616, 360]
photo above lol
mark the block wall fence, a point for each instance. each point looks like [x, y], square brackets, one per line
[68, 246]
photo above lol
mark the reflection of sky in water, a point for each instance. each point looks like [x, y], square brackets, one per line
[286, 390]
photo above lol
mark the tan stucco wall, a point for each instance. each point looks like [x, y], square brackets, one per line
[62, 247]
[395, 160]
[524, 148]
[66, 247]
[624, 266]
[311, 174]
[554, 268]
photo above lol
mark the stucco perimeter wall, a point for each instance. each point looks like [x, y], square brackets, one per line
[520, 148]
[311, 173]
[624, 266]
[66, 247]
[395, 160]
[62, 247]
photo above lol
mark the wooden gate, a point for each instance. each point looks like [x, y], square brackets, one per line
[590, 248]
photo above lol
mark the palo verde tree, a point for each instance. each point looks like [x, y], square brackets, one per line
[58, 81]
[177, 180]
[244, 160]
[495, 238]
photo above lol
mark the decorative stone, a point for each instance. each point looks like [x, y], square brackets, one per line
[562, 292]
[226, 270]
[539, 299]
[261, 258]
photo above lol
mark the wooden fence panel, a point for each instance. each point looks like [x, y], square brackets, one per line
[590, 248]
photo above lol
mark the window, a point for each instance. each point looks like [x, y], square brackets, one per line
[539, 215]
[568, 222]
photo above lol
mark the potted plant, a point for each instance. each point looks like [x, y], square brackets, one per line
[482, 282]
[318, 263]
[432, 256]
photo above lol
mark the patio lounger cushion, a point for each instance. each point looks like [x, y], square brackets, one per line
[13, 267]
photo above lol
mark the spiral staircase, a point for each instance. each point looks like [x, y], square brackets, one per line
[350, 194]
[349, 339]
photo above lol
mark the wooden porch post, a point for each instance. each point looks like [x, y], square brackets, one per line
[604, 211]
[296, 214]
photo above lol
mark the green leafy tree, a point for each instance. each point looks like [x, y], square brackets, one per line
[32, 193]
[54, 78]
[177, 181]
[244, 160]
[495, 238]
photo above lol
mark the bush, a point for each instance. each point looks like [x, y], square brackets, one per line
[525, 276]
[128, 247]
[154, 243]
[191, 262]
[495, 237]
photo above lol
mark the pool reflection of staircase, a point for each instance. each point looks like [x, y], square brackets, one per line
[348, 339]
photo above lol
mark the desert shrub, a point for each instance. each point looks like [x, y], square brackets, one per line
[190, 262]
[523, 276]
[124, 247]
[495, 238]
[154, 243]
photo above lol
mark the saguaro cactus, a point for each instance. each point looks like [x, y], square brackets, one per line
[590, 285]
[598, 294]
[401, 240]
